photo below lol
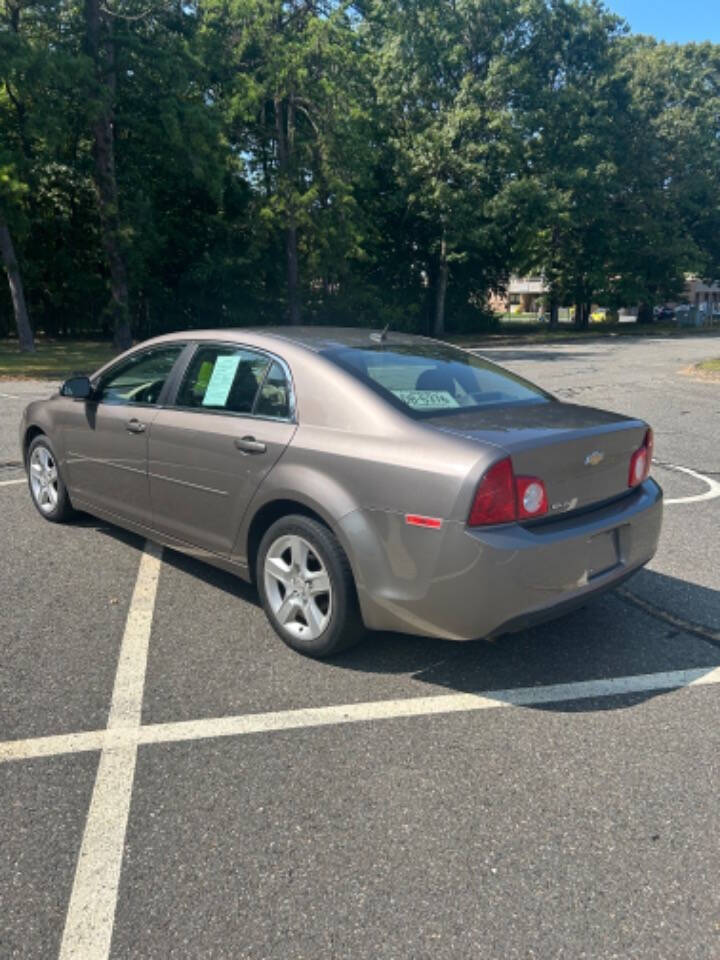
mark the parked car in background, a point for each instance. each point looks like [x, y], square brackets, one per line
[663, 313]
[359, 479]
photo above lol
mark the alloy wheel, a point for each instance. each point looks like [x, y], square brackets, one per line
[44, 479]
[298, 587]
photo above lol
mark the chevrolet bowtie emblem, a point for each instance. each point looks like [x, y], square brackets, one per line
[594, 458]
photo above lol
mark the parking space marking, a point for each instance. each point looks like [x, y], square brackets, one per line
[687, 626]
[91, 913]
[10, 483]
[52, 746]
[424, 706]
[128, 737]
[712, 493]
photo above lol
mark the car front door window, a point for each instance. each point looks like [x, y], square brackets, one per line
[140, 379]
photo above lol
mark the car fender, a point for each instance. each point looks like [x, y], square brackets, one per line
[38, 415]
[306, 486]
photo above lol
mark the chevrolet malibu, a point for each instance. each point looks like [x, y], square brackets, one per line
[362, 480]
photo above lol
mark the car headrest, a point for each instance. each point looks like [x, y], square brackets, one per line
[436, 379]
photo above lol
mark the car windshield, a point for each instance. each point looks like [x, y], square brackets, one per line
[432, 379]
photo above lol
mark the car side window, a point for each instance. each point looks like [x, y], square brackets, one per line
[139, 379]
[223, 378]
[274, 397]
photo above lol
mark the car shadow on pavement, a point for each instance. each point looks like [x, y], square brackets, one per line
[187, 563]
[610, 637]
[221, 579]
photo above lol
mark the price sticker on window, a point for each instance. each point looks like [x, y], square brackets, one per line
[221, 380]
[427, 399]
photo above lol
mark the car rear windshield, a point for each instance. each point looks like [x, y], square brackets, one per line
[433, 379]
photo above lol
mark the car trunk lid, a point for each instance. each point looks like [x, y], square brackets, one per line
[581, 454]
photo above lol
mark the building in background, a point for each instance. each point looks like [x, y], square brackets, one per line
[525, 295]
[698, 293]
[522, 295]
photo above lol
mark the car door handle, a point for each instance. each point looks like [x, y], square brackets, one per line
[134, 426]
[250, 445]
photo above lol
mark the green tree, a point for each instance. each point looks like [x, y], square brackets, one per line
[99, 47]
[449, 123]
[668, 219]
[14, 159]
[571, 118]
[292, 87]
[47, 198]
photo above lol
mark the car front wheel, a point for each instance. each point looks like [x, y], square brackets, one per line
[307, 588]
[47, 489]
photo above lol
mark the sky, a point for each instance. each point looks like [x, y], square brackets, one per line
[677, 21]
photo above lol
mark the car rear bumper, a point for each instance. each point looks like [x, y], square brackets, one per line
[463, 584]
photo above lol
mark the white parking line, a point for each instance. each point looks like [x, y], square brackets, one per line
[52, 746]
[91, 913]
[127, 737]
[712, 493]
[424, 706]
[10, 483]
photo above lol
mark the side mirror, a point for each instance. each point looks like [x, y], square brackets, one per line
[77, 386]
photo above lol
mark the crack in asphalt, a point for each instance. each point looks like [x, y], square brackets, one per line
[699, 630]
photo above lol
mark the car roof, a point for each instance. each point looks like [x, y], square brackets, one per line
[325, 338]
[312, 338]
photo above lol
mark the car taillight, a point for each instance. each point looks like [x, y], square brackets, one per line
[641, 460]
[501, 497]
[495, 496]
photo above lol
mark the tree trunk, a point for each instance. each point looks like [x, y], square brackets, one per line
[285, 132]
[100, 47]
[581, 314]
[553, 312]
[7, 251]
[645, 314]
[441, 289]
[292, 273]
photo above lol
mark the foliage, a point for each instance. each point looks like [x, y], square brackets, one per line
[383, 161]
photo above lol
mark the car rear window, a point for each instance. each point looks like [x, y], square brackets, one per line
[431, 379]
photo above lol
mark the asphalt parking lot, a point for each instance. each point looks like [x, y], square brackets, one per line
[176, 783]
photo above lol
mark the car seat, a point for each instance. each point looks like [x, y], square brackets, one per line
[244, 389]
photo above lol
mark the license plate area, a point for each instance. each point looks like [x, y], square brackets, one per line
[604, 553]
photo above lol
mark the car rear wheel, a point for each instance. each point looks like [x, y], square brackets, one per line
[47, 489]
[307, 588]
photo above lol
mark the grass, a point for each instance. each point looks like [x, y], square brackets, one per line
[53, 359]
[710, 366]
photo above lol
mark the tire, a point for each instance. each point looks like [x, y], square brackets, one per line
[297, 558]
[47, 488]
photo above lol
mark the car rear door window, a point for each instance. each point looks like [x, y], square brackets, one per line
[139, 379]
[223, 378]
[274, 399]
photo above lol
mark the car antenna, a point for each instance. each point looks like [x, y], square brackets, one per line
[382, 336]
